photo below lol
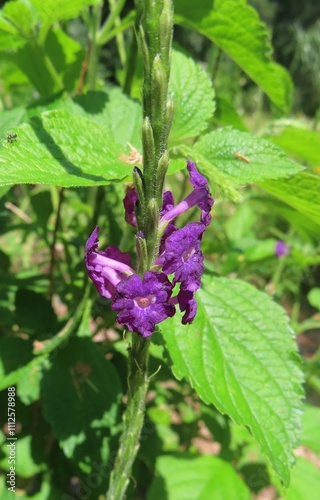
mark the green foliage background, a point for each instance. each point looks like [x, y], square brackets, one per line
[224, 411]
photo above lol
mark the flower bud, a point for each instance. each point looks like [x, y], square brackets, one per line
[161, 172]
[142, 253]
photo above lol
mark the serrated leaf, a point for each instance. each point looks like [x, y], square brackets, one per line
[236, 29]
[193, 98]
[301, 192]
[114, 110]
[302, 143]
[80, 396]
[198, 478]
[240, 355]
[242, 157]
[62, 150]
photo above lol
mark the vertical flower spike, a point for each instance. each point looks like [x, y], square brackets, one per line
[143, 303]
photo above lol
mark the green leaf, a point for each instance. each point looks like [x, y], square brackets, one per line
[27, 465]
[305, 481]
[52, 11]
[79, 400]
[302, 143]
[226, 114]
[310, 427]
[236, 29]
[19, 18]
[258, 160]
[198, 478]
[301, 192]
[240, 355]
[15, 353]
[114, 110]
[62, 150]
[11, 118]
[193, 98]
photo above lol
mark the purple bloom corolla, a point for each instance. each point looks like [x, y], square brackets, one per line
[183, 256]
[143, 303]
[107, 268]
[200, 196]
[187, 303]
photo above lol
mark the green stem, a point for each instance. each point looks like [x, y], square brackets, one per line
[119, 36]
[94, 51]
[108, 25]
[138, 382]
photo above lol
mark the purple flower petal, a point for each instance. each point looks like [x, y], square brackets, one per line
[200, 196]
[129, 203]
[183, 256]
[107, 268]
[187, 303]
[143, 303]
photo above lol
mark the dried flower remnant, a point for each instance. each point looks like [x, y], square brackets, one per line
[134, 158]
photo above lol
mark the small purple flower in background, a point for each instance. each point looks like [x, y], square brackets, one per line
[145, 302]
[281, 249]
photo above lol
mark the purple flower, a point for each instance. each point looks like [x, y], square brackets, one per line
[143, 303]
[200, 196]
[107, 268]
[129, 203]
[281, 249]
[187, 303]
[183, 256]
[131, 199]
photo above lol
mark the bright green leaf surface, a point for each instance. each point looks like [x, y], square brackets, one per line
[51, 11]
[114, 110]
[193, 98]
[198, 478]
[301, 192]
[261, 159]
[63, 150]
[236, 29]
[240, 355]
[302, 143]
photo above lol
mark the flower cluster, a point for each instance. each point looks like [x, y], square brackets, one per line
[144, 302]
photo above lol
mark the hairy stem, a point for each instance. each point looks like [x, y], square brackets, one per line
[138, 383]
